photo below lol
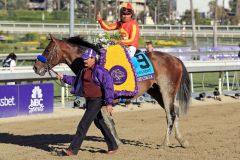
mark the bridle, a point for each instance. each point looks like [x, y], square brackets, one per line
[47, 66]
[43, 59]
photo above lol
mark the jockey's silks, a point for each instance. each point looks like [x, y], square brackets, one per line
[129, 31]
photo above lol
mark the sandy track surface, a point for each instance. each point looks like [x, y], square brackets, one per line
[211, 127]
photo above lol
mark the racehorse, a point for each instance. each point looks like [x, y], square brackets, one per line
[171, 80]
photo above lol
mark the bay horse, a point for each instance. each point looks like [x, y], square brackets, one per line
[171, 80]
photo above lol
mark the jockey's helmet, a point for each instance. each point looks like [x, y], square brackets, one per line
[126, 9]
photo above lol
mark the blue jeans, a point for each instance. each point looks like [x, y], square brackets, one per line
[92, 113]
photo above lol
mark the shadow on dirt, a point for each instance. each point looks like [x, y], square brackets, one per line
[50, 142]
[41, 141]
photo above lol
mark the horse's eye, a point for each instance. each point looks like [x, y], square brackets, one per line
[47, 50]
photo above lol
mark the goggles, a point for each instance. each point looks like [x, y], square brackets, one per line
[126, 11]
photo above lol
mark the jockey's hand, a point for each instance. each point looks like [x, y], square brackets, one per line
[59, 76]
[109, 108]
[115, 41]
[99, 17]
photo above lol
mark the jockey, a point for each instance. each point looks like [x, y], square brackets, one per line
[128, 27]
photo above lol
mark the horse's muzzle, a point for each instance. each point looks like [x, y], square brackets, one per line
[40, 71]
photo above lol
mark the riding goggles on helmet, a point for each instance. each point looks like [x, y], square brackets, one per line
[126, 11]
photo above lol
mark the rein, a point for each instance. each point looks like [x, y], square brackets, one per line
[60, 84]
[49, 69]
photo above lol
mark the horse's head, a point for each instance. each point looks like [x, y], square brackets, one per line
[49, 58]
[66, 51]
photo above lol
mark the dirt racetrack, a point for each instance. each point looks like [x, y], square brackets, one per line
[213, 131]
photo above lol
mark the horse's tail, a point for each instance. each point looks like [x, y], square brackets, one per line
[184, 92]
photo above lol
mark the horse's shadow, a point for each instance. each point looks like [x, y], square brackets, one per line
[48, 142]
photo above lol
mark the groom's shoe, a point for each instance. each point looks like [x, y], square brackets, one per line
[112, 152]
[66, 152]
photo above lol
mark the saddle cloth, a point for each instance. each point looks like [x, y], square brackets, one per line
[143, 66]
[126, 72]
[116, 60]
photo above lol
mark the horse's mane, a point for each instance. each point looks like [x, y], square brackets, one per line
[79, 41]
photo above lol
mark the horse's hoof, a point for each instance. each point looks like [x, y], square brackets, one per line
[184, 144]
[54, 153]
[119, 142]
[162, 147]
[165, 145]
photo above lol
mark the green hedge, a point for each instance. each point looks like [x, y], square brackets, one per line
[34, 16]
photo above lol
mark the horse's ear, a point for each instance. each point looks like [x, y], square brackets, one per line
[52, 37]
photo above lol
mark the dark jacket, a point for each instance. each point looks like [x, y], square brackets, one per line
[100, 76]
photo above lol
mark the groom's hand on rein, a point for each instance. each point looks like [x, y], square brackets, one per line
[109, 108]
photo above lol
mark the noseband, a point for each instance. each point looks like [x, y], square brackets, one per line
[47, 66]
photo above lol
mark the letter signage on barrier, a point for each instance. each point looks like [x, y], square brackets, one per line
[35, 99]
[8, 101]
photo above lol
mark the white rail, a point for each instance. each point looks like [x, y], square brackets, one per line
[21, 74]
[146, 30]
[212, 66]
[27, 74]
[234, 54]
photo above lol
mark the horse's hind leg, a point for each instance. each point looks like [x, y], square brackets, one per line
[166, 102]
[184, 143]
[173, 119]
[168, 89]
[156, 94]
[170, 116]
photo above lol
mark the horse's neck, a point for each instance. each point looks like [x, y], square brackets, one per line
[76, 65]
[72, 58]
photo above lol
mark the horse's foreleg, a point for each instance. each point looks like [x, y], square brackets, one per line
[110, 124]
[184, 143]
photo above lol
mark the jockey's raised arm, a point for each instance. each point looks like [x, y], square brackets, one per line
[106, 26]
[109, 27]
[127, 26]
